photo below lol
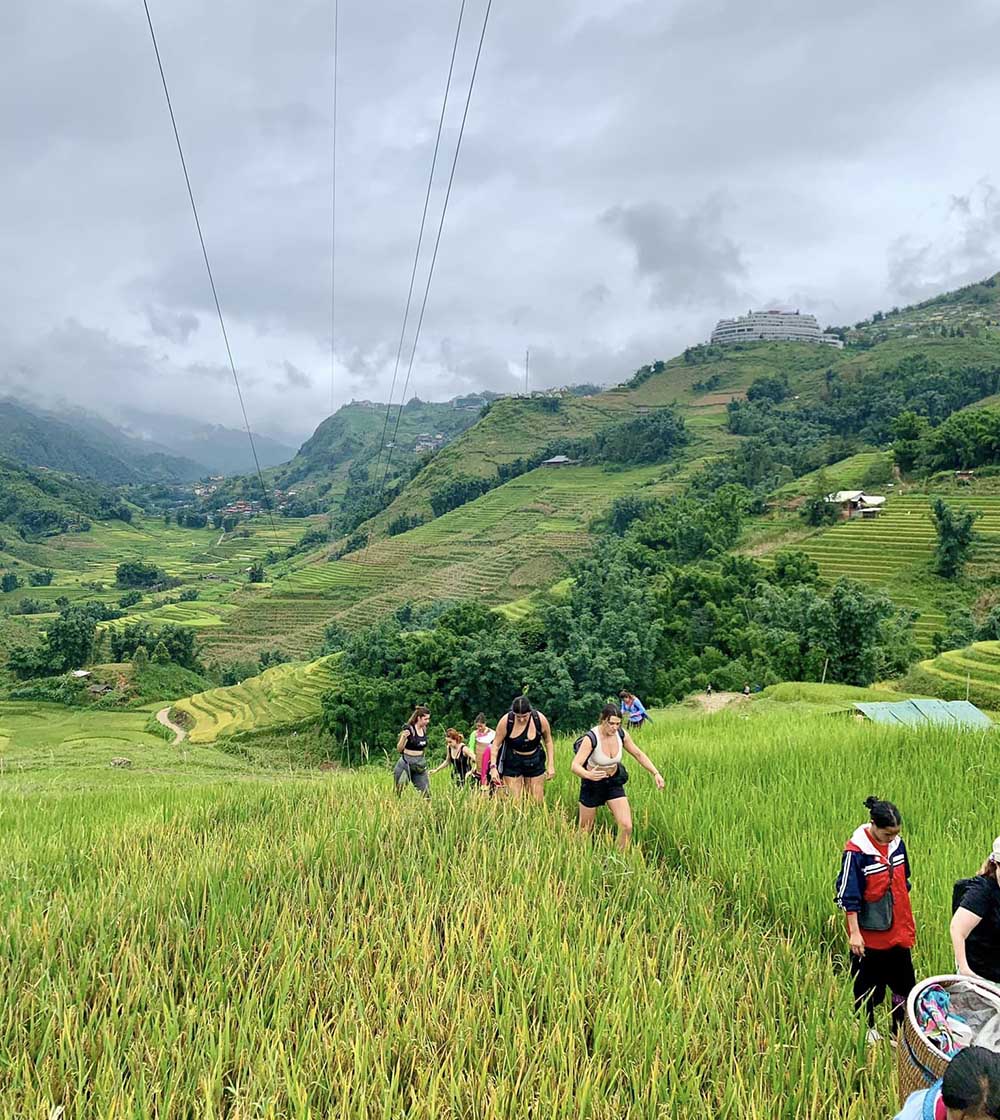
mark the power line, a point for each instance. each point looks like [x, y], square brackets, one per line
[420, 238]
[333, 208]
[437, 240]
[208, 269]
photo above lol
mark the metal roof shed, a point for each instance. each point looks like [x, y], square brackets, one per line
[919, 713]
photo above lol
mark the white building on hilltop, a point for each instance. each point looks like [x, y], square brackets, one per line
[771, 326]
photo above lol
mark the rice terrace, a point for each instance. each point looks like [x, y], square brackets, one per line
[500, 563]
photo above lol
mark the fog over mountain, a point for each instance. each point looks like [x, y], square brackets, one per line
[632, 170]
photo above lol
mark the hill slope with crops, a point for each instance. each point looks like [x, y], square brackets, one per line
[692, 974]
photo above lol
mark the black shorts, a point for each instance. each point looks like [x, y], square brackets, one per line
[595, 794]
[513, 765]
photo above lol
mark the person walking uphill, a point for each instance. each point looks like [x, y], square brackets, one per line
[599, 763]
[412, 747]
[873, 890]
[459, 756]
[633, 709]
[523, 754]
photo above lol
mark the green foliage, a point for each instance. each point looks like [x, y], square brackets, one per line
[29, 606]
[9, 581]
[774, 389]
[137, 574]
[792, 568]
[965, 440]
[256, 573]
[41, 577]
[188, 595]
[161, 655]
[955, 537]
[457, 492]
[140, 658]
[179, 642]
[404, 523]
[130, 599]
[908, 433]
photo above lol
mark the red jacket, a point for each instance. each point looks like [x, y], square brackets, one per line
[866, 872]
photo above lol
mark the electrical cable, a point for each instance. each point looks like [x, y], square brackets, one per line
[437, 245]
[211, 278]
[420, 238]
[333, 208]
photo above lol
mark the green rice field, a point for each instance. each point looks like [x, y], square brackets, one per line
[284, 694]
[958, 673]
[895, 549]
[198, 938]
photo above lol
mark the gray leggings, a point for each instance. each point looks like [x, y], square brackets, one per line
[412, 770]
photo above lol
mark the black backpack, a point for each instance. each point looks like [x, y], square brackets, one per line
[958, 891]
[535, 719]
[593, 740]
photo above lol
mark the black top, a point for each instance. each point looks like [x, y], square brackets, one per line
[415, 741]
[460, 766]
[982, 946]
[522, 742]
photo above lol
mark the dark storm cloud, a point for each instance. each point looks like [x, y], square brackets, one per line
[586, 220]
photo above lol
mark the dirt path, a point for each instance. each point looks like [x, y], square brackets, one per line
[163, 716]
[717, 701]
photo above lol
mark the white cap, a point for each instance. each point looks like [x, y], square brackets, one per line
[995, 854]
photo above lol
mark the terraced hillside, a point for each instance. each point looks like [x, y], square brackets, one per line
[285, 694]
[509, 542]
[974, 670]
[893, 551]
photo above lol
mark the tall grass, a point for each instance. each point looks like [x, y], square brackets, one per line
[321, 949]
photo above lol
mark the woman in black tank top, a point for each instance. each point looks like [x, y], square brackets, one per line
[523, 754]
[411, 769]
[459, 756]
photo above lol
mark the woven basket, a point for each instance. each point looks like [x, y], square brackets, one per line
[919, 1063]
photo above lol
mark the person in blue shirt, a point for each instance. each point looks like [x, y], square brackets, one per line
[969, 1090]
[632, 709]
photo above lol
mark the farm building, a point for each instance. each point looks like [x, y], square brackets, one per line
[856, 503]
[561, 461]
[957, 714]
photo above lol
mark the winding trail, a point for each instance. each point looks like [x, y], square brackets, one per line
[163, 716]
[717, 701]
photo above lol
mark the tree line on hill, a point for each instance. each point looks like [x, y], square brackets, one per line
[660, 607]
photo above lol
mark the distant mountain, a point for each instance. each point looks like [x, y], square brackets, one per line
[351, 437]
[218, 449]
[80, 444]
[39, 502]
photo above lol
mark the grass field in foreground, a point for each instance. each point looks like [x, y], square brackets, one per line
[313, 948]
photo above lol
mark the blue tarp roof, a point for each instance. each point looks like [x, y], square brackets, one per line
[913, 713]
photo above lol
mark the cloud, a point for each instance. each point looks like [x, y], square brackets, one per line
[296, 378]
[687, 258]
[731, 157]
[965, 248]
[175, 326]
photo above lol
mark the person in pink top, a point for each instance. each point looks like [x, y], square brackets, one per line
[483, 736]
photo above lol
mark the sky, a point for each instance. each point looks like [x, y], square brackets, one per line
[631, 171]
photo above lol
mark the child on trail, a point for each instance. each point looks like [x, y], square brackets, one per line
[969, 1090]
[632, 709]
[523, 754]
[975, 927]
[873, 890]
[459, 756]
[412, 745]
[599, 764]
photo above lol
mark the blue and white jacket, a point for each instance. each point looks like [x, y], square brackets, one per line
[865, 875]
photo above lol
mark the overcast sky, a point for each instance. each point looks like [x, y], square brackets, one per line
[631, 171]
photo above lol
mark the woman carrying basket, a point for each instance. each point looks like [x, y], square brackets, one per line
[873, 890]
[969, 1090]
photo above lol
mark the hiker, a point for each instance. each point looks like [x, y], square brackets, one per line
[969, 1090]
[708, 690]
[746, 690]
[412, 745]
[523, 755]
[459, 756]
[975, 927]
[483, 735]
[633, 709]
[599, 764]
[873, 890]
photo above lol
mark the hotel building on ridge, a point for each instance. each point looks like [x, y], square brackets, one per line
[772, 326]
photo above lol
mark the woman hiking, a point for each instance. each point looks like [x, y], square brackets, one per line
[599, 764]
[412, 747]
[459, 756]
[975, 927]
[523, 754]
[873, 890]
[483, 735]
[969, 1090]
[633, 710]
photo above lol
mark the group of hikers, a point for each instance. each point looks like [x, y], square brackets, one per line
[873, 890]
[517, 757]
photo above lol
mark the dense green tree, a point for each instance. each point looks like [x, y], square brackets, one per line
[41, 577]
[161, 655]
[136, 574]
[256, 573]
[140, 658]
[955, 537]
